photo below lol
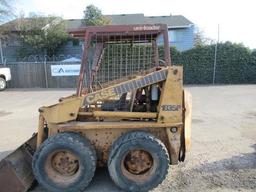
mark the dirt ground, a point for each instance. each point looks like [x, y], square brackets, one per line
[223, 154]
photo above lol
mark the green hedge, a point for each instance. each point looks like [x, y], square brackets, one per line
[236, 64]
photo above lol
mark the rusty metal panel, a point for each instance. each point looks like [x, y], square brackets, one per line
[102, 139]
[125, 40]
[9, 182]
[16, 169]
[126, 29]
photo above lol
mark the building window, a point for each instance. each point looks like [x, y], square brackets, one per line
[172, 36]
[175, 36]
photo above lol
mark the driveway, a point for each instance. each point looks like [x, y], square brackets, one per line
[223, 154]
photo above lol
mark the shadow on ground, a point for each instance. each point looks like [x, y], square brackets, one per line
[101, 182]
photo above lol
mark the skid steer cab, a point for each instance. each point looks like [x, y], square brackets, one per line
[130, 113]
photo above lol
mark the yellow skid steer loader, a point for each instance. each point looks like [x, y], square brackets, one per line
[130, 113]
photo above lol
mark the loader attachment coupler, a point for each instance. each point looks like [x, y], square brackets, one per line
[16, 169]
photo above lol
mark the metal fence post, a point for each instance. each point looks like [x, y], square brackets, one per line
[214, 65]
[215, 56]
[45, 73]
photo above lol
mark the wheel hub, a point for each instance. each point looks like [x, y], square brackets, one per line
[65, 163]
[138, 162]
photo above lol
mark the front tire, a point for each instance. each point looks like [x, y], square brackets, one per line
[2, 84]
[65, 162]
[138, 161]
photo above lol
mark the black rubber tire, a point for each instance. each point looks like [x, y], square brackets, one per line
[78, 145]
[143, 141]
[2, 80]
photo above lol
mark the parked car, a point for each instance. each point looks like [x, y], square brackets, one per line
[5, 75]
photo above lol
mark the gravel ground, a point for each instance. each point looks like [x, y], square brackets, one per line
[223, 154]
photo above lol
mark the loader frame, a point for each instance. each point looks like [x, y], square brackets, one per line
[169, 120]
[168, 126]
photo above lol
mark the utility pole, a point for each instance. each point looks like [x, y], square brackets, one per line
[215, 56]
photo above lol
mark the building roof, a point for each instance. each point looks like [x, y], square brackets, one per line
[173, 21]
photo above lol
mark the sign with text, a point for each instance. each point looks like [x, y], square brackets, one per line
[65, 70]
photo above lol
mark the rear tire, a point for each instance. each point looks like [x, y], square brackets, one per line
[138, 161]
[65, 162]
[2, 84]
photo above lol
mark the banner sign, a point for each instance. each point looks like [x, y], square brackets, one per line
[65, 70]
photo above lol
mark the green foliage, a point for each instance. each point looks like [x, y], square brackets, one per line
[5, 10]
[235, 64]
[44, 34]
[175, 55]
[251, 68]
[94, 17]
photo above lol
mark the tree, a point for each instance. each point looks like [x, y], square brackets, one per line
[44, 34]
[93, 16]
[5, 10]
[200, 39]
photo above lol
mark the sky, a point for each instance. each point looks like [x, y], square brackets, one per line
[236, 18]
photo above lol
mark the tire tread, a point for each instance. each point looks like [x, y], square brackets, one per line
[137, 135]
[73, 138]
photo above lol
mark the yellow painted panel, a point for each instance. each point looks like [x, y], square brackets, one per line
[170, 105]
[188, 119]
[64, 111]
